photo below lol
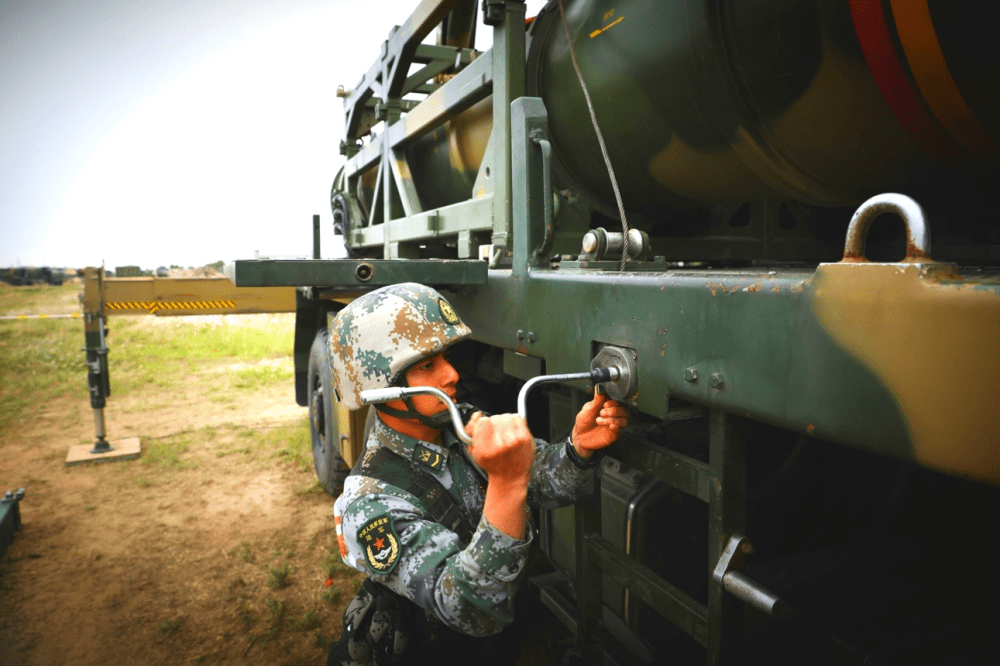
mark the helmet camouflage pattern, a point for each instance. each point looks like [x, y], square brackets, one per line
[378, 336]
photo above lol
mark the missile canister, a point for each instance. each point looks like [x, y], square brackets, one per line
[719, 102]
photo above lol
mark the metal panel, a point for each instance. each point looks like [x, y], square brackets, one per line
[768, 345]
[361, 274]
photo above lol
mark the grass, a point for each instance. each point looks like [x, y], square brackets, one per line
[250, 379]
[292, 443]
[279, 576]
[155, 363]
[43, 299]
[169, 628]
[307, 621]
[41, 359]
[167, 454]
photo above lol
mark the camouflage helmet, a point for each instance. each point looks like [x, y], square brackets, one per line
[378, 336]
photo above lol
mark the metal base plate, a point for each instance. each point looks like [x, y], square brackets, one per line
[122, 449]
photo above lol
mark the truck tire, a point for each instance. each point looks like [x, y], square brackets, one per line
[331, 470]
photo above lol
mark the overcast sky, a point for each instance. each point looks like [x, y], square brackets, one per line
[155, 133]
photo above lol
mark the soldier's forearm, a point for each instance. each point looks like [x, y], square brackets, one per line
[505, 505]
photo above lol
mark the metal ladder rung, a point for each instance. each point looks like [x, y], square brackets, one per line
[686, 613]
[675, 469]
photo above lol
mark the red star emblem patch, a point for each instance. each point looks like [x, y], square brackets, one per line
[380, 543]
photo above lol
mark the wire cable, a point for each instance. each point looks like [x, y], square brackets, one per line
[600, 137]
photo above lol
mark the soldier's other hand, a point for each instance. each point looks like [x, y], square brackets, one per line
[598, 425]
[503, 446]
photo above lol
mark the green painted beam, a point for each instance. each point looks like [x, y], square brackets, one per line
[754, 330]
[361, 273]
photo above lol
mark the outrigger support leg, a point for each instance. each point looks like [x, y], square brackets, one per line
[98, 381]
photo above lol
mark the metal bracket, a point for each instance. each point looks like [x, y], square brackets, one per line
[727, 573]
[627, 383]
[493, 12]
[10, 517]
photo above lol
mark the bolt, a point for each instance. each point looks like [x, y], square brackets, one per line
[520, 334]
[717, 381]
[690, 375]
[532, 337]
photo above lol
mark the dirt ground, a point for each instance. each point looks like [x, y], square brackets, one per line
[216, 547]
[215, 550]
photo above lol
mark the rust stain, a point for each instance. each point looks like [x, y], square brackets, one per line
[776, 289]
[754, 287]
[811, 429]
[798, 287]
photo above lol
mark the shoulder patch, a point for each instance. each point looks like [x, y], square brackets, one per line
[428, 458]
[379, 541]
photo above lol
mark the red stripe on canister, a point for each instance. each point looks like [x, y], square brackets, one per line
[872, 29]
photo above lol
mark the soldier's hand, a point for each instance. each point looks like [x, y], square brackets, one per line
[502, 445]
[598, 425]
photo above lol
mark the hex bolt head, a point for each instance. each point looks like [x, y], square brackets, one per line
[532, 337]
[520, 334]
[717, 381]
[690, 375]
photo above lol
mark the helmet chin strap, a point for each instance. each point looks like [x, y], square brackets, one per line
[437, 421]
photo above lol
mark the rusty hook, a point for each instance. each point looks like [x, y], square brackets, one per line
[918, 239]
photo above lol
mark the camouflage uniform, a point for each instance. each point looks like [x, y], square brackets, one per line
[467, 586]
[389, 532]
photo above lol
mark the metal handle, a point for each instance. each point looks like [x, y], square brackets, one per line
[727, 574]
[918, 240]
[596, 375]
[373, 396]
[538, 137]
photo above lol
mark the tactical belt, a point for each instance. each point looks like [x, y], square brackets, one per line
[385, 465]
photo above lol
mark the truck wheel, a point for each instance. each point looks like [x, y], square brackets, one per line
[331, 470]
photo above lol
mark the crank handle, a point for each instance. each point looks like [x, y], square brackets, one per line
[373, 396]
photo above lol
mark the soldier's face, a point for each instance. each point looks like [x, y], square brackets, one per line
[438, 373]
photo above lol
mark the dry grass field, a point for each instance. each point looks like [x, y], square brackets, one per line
[214, 547]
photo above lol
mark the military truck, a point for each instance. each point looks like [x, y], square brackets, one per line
[810, 470]
[22, 276]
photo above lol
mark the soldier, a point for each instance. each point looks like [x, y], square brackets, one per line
[443, 548]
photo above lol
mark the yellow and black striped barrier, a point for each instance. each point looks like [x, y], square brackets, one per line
[184, 296]
[154, 306]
